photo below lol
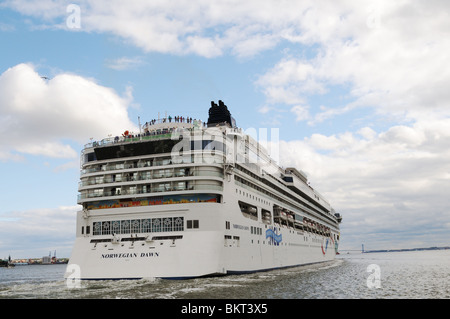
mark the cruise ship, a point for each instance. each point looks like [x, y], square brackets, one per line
[183, 198]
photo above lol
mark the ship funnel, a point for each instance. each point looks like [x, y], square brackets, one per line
[220, 115]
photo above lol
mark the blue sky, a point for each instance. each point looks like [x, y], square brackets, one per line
[359, 92]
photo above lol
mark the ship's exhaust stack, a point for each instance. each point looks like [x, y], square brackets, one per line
[220, 115]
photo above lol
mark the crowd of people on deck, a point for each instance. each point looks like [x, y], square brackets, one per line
[176, 119]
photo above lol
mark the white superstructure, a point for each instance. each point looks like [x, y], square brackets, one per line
[182, 199]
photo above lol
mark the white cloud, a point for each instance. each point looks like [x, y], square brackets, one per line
[56, 150]
[395, 181]
[301, 112]
[367, 133]
[264, 109]
[46, 9]
[392, 185]
[388, 56]
[201, 27]
[125, 63]
[36, 114]
[351, 35]
[33, 233]
[203, 46]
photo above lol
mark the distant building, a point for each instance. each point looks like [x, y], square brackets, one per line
[46, 260]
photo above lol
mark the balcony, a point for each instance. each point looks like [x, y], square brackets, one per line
[143, 176]
[145, 190]
[152, 162]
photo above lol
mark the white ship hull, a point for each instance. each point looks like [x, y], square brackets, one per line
[207, 251]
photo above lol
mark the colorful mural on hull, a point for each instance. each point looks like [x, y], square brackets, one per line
[159, 200]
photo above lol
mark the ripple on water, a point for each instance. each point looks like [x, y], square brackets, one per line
[403, 275]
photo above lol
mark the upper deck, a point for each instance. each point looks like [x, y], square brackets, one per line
[175, 156]
[137, 167]
[153, 130]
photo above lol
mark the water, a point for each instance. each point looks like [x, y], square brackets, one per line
[408, 275]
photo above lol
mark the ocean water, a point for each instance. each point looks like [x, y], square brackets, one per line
[405, 275]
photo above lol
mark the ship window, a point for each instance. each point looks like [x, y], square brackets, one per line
[135, 226]
[96, 193]
[180, 172]
[115, 227]
[173, 238]
[106, 228]
[191, 224]
[178, 224]
[236, 241]
[146, 175]
[125, 227]
[168, 173]
[99, 179]
[167, 224]
[248, 210]
[146, 225]
[167, 187]
[266, 216]
[180, 186]
[89, 157]
[158, 173]
[97, 228]
[256, 230]
[288, 179]
[156, 225]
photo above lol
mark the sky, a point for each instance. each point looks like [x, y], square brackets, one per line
[359, 91]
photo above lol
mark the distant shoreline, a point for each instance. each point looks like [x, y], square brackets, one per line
[38, 261]
[404, 249]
